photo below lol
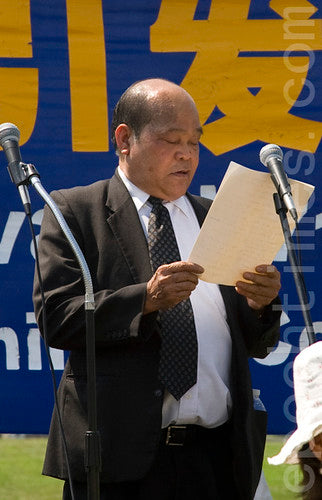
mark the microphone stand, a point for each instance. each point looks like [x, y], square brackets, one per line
[92, 458]
[281, 210]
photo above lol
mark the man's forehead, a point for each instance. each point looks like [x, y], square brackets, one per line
[168, 128]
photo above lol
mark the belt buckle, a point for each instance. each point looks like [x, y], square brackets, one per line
[176, 435]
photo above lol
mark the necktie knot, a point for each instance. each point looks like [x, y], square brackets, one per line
[155, 202]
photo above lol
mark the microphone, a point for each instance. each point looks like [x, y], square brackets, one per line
[9, 141]
[271, 156]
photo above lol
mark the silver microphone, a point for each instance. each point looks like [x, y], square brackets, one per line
[271, 156]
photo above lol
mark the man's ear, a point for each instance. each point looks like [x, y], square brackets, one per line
[122, 138]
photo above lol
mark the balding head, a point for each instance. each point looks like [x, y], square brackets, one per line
[156, 128]
[146, 102]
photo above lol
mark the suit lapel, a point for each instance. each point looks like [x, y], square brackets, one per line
[126, 226]
[200, 206]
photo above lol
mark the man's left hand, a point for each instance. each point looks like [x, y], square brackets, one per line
[262, 287]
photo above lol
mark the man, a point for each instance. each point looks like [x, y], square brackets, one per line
[214, 451]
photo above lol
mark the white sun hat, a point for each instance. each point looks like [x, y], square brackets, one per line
[307, 375]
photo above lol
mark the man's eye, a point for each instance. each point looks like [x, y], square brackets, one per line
[171, 141]
[177, 141]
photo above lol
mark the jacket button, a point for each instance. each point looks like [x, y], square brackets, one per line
[158, 393]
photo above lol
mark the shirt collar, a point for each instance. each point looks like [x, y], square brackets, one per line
[140, 197]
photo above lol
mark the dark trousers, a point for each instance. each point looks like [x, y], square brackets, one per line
[200, 469]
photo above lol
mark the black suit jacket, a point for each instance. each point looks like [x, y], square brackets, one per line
[104, 221]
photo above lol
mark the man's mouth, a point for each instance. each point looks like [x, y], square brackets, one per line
[181, 173]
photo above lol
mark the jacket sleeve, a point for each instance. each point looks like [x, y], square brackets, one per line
[260, 332]
[118, 310]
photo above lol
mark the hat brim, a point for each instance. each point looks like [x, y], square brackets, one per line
[289, 452]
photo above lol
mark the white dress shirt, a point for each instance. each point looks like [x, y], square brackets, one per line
[208, 402]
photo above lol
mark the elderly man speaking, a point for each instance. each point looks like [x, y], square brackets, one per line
[175, 408]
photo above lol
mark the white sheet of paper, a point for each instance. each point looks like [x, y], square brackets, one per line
[242, 229]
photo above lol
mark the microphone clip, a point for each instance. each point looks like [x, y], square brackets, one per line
[20, 173]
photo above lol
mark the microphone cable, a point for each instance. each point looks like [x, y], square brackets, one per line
[45, 338]
[22, 175]
[299, 261]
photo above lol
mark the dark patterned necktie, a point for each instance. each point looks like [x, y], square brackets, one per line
[179, 348]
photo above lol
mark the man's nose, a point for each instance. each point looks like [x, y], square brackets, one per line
[184, 151]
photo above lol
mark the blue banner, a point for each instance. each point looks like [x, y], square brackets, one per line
[254, 70]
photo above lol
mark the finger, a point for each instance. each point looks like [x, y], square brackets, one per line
[268, 269]
[261, 280]
[179, 297]
[181, 266]
[255, 301]
[169, 289]
[184, 276]
[265, 275]
[260, 284]
[169, 300]
[182, 286]
[167, 280]
[258, 295]
[255, 292]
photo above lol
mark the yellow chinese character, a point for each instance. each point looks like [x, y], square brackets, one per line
[18, 86]
[87, 70]
[254, 95]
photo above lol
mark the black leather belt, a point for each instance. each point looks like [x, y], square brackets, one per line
[180, 435]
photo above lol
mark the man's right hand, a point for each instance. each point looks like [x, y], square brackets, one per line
[170, 284]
